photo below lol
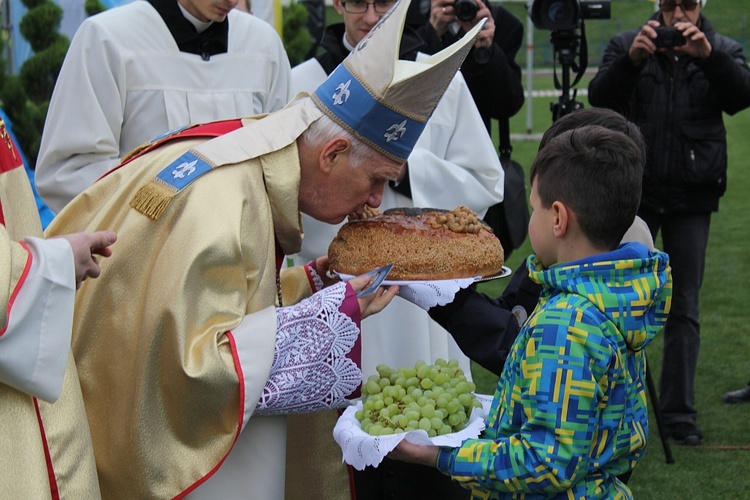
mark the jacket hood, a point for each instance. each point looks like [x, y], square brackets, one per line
[631, 287]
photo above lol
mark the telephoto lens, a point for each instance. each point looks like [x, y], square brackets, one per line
[466, 10]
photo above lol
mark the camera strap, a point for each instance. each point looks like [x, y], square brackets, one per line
[583, 60]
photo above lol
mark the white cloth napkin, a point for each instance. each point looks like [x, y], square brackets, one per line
[360, 449]
[426, 294]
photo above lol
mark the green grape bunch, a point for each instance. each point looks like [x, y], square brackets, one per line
[435, 398]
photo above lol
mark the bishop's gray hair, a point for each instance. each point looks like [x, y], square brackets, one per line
[324, 129]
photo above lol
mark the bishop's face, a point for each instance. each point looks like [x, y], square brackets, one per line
[209, 10]
[342, 188]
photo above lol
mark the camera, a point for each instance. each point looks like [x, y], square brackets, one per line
[566, 15]
[668, 37]
[466, 10]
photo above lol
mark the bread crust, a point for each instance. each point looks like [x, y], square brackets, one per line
[418, 244]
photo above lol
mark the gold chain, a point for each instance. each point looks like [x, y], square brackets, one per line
[278, 288]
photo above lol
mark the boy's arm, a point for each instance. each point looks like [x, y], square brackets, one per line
[485, 328]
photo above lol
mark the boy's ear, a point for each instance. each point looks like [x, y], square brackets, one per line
[562, 220]
[333, 151]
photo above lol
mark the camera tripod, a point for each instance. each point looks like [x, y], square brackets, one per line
[566, 44]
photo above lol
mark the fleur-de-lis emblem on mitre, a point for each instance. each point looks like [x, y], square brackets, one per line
[342, 93]
[395, 131]
[184, 169]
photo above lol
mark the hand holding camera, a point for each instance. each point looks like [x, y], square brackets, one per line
[683, 37]
[466, 13]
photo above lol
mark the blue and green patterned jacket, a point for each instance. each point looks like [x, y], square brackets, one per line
[570, 411]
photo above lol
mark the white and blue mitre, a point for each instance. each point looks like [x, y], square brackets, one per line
[383, 101]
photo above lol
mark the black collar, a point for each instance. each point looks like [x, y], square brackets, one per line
[214, 40]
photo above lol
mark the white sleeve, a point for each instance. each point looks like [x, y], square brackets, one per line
[311, 370]
[34, 348]
[81, 137]
[454, 161]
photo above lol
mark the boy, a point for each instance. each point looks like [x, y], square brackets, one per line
[570, 410]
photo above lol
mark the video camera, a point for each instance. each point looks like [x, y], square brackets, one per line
[566, 15]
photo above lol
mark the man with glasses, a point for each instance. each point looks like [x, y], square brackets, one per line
[453, 163]
[676, 93]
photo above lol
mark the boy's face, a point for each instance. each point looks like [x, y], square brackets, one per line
[541, 229]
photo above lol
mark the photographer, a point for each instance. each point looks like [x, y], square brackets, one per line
[490, 69]
[675, 88]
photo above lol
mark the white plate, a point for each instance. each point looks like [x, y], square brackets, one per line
[504, 273]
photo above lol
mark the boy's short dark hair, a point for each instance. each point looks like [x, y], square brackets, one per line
[604, 117]
[598, 173]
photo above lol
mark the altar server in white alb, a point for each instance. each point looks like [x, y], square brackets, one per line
[192, 345]
[453, 163]
[139, 70]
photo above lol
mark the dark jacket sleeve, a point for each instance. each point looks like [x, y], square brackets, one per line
[613, 83]
[485, 328]
[727, 71]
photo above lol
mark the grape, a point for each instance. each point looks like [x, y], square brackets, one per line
[425, 424]
[436, 398]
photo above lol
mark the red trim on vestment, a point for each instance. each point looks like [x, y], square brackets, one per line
[53, 489]
[212, 129]
[238, 367]
[309, 273]
[10, 158]
[20, 283]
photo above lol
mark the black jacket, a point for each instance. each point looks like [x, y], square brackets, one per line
[493, 77]
[333, 52]
[678, 105]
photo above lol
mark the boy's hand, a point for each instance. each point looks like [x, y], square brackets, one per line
[415, 453]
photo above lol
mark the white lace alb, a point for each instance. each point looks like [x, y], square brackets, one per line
[310, 370]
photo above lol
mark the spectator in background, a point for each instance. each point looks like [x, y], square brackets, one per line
[43, 433]
[490, 70]
[677, 95]
[142, 69]
[453, 163]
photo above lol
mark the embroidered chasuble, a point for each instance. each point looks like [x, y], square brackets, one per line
[160, 369]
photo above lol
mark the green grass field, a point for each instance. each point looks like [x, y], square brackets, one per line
[716, 469]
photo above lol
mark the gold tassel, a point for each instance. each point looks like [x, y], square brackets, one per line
[152, 199]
